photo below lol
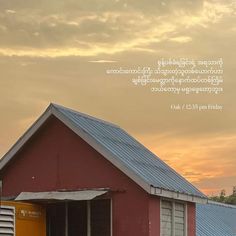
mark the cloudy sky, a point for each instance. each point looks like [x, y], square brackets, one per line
[59, 51]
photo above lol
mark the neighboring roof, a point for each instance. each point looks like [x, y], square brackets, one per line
[215, 219]
[122, 150]
[61, 195]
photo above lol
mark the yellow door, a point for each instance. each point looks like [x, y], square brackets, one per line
[22, 219]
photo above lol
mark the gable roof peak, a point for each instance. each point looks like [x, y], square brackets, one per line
[61, 108]
[119, 148]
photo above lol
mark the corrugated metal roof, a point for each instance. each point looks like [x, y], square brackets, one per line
[215, 219]
[130, 153]
[61, 195]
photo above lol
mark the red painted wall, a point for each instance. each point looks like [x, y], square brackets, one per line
[191, 219]
[56, 158]
[154, 216]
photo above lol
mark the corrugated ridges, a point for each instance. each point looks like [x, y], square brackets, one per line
[215, 219]
[131, 153]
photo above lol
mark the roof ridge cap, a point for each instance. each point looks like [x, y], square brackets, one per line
[57, 106]
[221, 204]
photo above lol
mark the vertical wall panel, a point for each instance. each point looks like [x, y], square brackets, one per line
[179, 219]
[191, 214]
[166, 218]
[154, 216]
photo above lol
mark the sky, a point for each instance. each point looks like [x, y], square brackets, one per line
[60, 50]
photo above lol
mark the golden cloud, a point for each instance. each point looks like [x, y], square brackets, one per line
[92, 34]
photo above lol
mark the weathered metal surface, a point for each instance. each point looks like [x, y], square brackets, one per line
[214, 219]
[56, 195]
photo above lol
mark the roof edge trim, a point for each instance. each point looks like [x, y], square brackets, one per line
[221, 204]
[177, 196]
[56, 106]
[25, 137]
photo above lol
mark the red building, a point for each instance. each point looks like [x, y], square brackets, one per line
[96, 180]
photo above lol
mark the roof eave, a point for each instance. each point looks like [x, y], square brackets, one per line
[177, 195]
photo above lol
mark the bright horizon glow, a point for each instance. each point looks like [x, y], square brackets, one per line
[59, 52]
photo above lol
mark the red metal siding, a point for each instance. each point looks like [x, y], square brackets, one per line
[191, 219]
[154, 216]
[56, 158]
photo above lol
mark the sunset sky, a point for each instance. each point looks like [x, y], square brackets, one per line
[59, 50]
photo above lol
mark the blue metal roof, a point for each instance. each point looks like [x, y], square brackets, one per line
[130, 153]
[215, 219]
